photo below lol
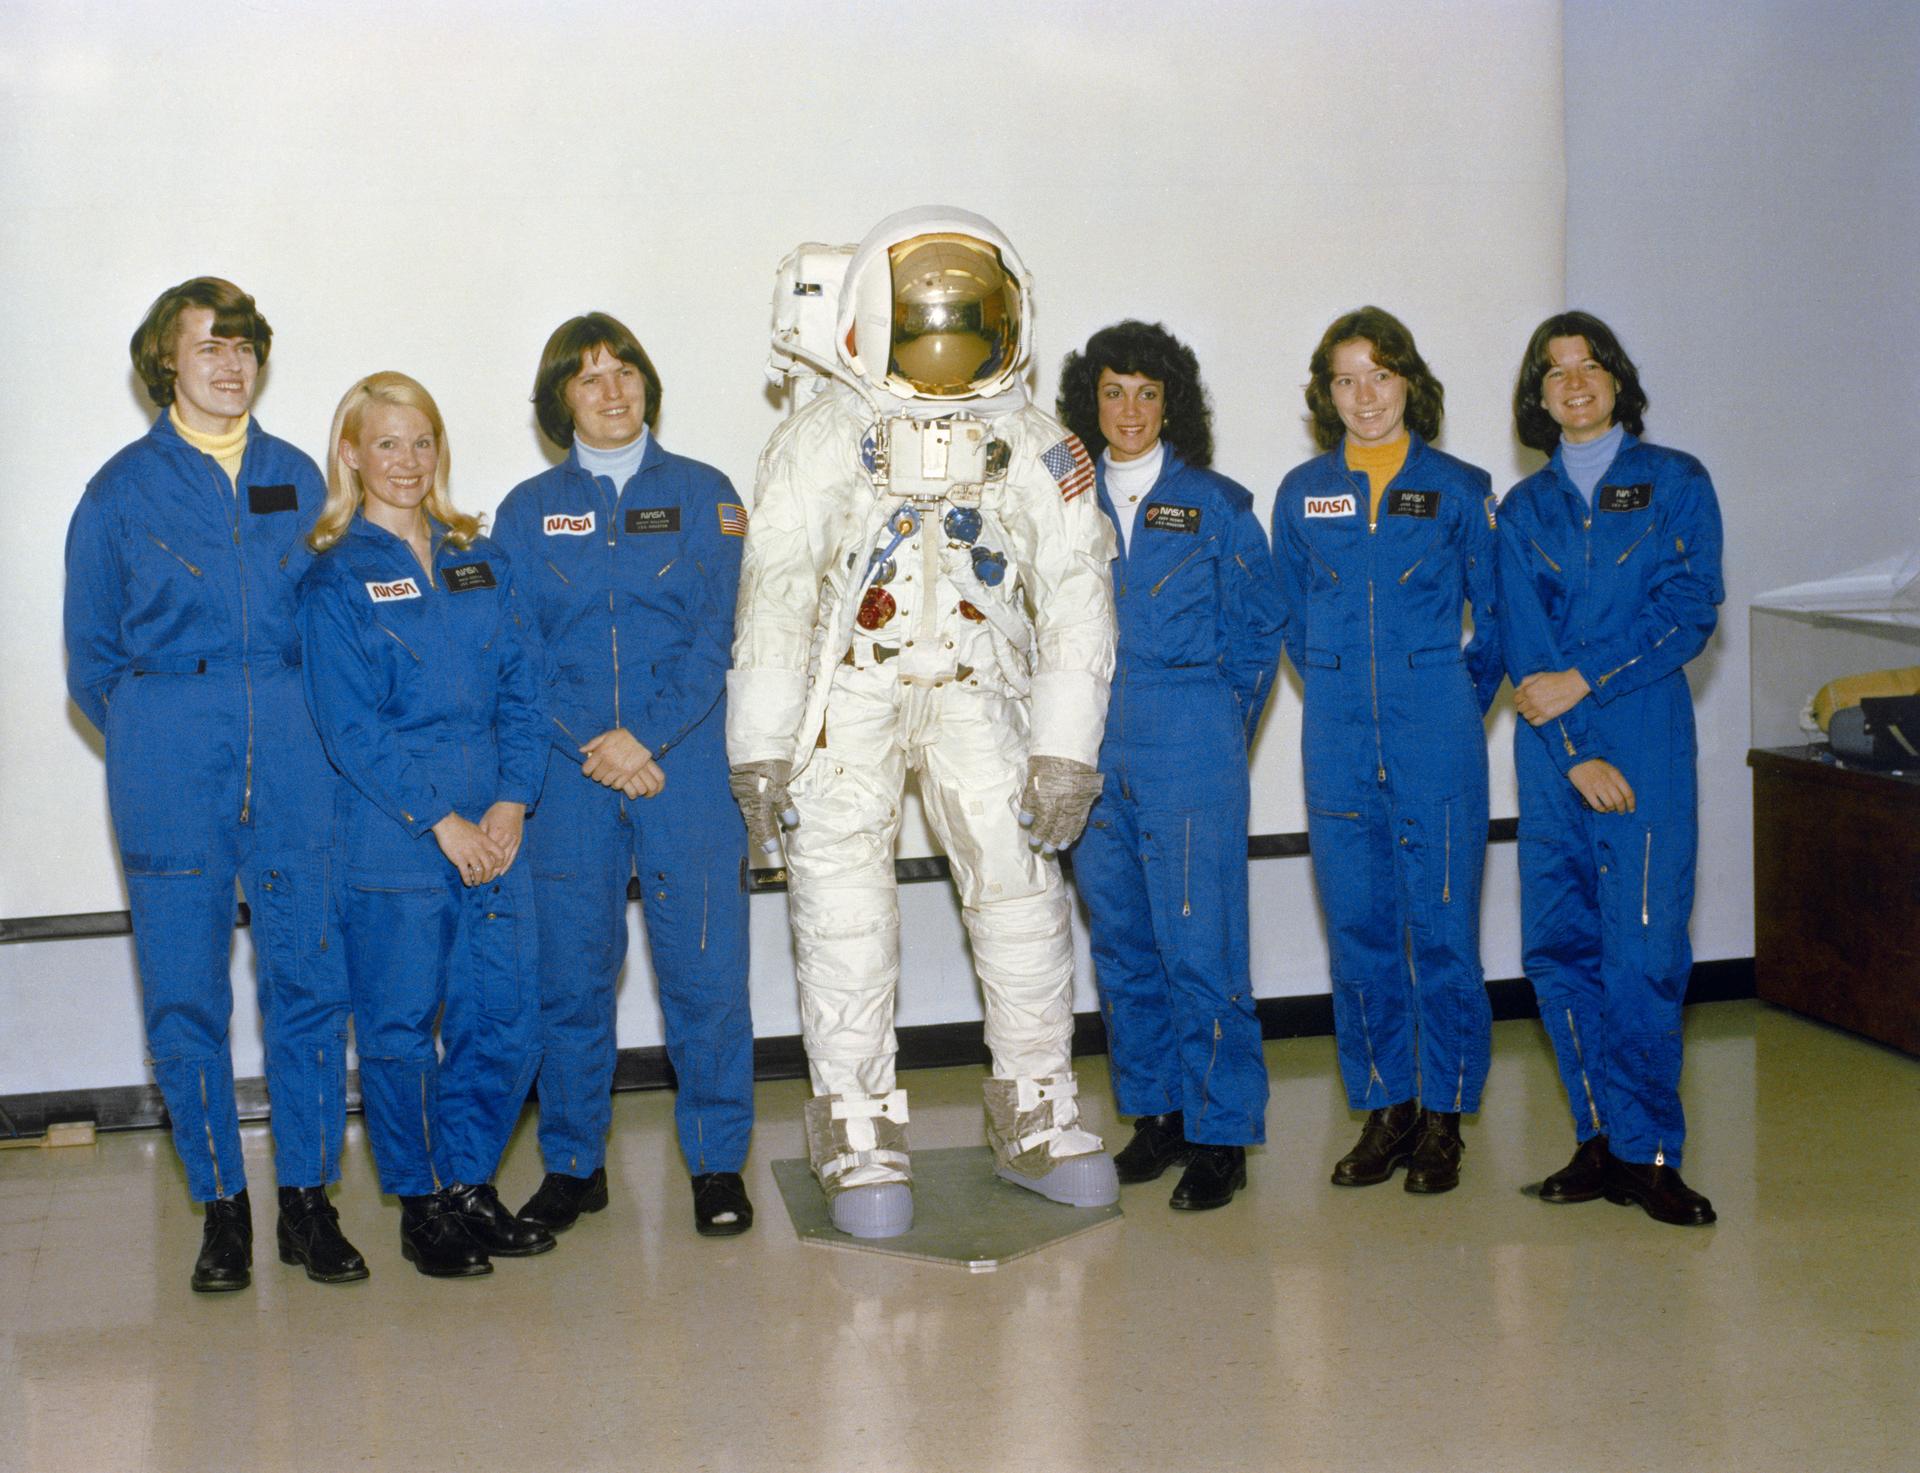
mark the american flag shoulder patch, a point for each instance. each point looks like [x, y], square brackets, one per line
[733, 519]
[1069, 464]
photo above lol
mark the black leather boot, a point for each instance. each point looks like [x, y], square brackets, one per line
[1580, 1179]
[562, 1198]
[1385, 1143]
[309, 1233]
[1159, 1141]
[1657, 1190]
[435, 1240]
[1213, 1175]
[720, 1205]
[1435, 1163]
[497, 1230]
[226, 1246]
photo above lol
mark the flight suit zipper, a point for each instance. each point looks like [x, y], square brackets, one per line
[1331, 573]
[558, 574]
[1631, 545]
[1373, 676]
[1186, 874]
[1154, 592]
[320, 1099]
[426, 1132]
[1580, 1058]
[1446, 882]
[190, 567]
[1646, 873]
[1639, 657]
[399, 641]
[613, 612]
[206, 1118]
[1206, 1080]
[246, 662]
[1543, 553]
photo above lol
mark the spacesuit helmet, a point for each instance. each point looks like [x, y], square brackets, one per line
[936, 306]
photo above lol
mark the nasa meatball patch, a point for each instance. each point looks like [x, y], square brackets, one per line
[1423, 504]
[468, 576]
[1331, 506]
[1625, 498]
[1161, 516]
[386, 593]
[565, 524]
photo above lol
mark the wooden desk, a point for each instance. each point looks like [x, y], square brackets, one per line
[1836, 879]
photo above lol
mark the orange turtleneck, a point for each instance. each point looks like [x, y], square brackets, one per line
[1381, 464]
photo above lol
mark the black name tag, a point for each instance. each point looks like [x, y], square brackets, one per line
[653, 519]
[466, 577]
[264, 499]
[1625, 498]
[1413, 504]
[1163, 517]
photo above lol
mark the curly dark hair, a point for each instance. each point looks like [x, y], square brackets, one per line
[1148, 349]
[572, 343]
[1393, 349]
[1531, 422]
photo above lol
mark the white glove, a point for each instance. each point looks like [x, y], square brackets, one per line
[1055, 803]
[760, 788]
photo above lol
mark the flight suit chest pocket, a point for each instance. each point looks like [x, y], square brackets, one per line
[1177, 571]
[159, 557]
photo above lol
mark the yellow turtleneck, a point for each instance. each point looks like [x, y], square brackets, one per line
[1381, 464]
[227, 449]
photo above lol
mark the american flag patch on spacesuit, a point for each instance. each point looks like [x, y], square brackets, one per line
[1069, 464]
[733, 519]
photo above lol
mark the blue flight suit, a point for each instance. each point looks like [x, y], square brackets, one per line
[181, 649]
[1625, 592]
[1394, 753]
[427, 695]
[1162, 864]
[631, 591]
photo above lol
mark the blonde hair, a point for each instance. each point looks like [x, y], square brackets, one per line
[345, 494]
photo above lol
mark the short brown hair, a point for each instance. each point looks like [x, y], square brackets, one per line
[1393, 349]
[1531, 422]
[234, 316]
[560, 362]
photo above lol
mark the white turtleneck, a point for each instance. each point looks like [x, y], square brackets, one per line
[1128, 481]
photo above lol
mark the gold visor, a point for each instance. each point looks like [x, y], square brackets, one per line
[956, 315]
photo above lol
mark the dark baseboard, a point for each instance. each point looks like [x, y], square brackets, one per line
[930, 1046]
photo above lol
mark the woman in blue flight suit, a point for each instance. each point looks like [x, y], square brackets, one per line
[1609, 581]
[182, 561]
[630, 558]
[426, 693]
[1162, 864]
[1379, 542]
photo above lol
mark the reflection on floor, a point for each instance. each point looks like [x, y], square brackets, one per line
[1303, 1327]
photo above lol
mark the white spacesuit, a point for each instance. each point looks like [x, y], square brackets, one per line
[925, 584]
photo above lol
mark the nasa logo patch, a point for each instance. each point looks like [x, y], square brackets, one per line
[561, 524]
[1331, 506]
[382, 593]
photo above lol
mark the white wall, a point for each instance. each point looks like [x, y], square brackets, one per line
[1743, 199]
[434, 186]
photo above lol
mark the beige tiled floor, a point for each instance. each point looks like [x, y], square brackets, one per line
[1301, 1328]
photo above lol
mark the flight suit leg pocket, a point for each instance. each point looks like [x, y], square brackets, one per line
[501, 941]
